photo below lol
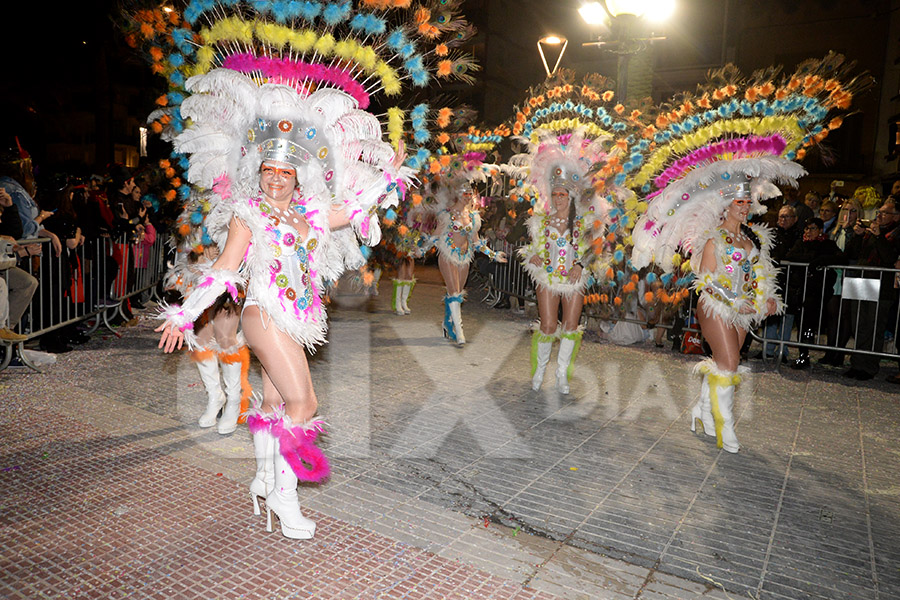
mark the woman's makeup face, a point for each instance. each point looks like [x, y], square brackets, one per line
[277, 181]
[740, 209]
[559, 199]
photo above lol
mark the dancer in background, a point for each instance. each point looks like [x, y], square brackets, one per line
[717, 156]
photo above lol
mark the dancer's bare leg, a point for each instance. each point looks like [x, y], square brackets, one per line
[225, 325]
[454, 276]
[405, 269]
[572, 311]
[725, 340]
[548, 308]
[285, 369]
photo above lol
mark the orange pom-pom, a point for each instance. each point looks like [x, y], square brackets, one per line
[444, 68]
[403, 230]
[628, 287]
[184, 229]
[170, 195]
[156, 126]
[617, 301]
[648, 297]
[176, 182]
[635, 278]
[441, 50]
[164, 163]
[604, 298]
[170, 173]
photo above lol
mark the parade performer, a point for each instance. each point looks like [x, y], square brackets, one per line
[456, 236]
[221, 354]
[718, 154]
[274, 126]
[568, 143]
[407, 240]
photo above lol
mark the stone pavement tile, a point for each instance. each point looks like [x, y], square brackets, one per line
[800, 589]
[661, 586]
[578, 574]
[804, 572]
[718, 573]
[501, 551]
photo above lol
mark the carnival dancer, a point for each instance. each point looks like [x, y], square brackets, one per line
[408, 240]
[286, 203]
[456, 240]
[711, 168]
[221, 354]
[557, 257]
[268, 100]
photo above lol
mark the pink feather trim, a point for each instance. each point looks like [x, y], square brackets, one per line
[772, 145]
[298, 448]
[286, 69]
[257, 423]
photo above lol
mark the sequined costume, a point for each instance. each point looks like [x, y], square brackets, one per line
[450, 225]
[740, 279]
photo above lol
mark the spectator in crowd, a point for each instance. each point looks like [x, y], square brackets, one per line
[828, 212]
[813, 201]
[792, 198]
[809, 292]
[875, 245]
[20, 286]
[838, 326]
[786, 235]
[17, 178]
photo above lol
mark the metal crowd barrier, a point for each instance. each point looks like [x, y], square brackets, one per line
[841, 316]
[91, 286]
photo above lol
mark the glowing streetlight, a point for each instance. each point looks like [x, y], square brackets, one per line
[552, 40]
[628, 37]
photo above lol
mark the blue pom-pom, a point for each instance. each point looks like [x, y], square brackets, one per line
[619, 274]
[196, 217]
[421, 136]
[419, 111]
[206, 240]
[335, 12]
[390, 215]
[184, 192]
[651, 277]
[365, 251]
[308, 10]
[667, 278]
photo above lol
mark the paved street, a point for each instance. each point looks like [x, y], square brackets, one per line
[451, 477]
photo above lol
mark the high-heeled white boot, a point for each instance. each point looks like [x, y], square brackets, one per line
[293, 451]
[721, 399]
[541, 346]
[702, 412]
[263, 483]
[208, 366]
[569, 343]
[231, 375]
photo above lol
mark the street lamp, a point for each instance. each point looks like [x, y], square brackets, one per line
[552, 40]
[628, 39]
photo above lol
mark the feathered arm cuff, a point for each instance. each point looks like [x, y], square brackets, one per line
[211, 283]
[482, 246]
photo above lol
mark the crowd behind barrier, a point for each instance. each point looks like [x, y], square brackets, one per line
[830, 303]
[89, 283]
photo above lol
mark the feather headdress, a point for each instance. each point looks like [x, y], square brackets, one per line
[736, 135]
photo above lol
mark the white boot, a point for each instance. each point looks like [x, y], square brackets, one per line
[209, 375]
[702, 412]
[404, 297]
[295, 457]
[231, 375]
[397, 295]
[541, 346]
[721, 397]
[456, 317]
[264, 450]
[569, 342]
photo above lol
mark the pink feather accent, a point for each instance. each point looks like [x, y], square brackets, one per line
[232, 290]
[257, 423]
[772, 145]
[298, 448]
[222, 186]
[207, 282]
[297, 70]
